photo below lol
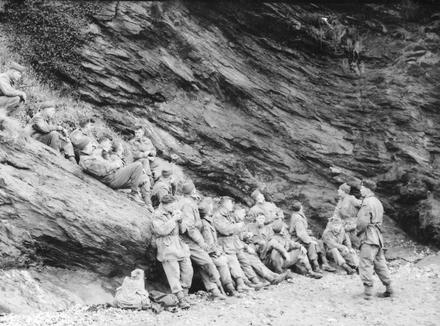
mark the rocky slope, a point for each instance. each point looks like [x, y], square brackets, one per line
[250, 94]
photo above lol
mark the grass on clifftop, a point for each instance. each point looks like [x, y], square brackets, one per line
[69, 109]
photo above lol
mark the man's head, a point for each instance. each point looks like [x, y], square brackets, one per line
[167, 172]
[335, 224]
[137, 274]
[106, 143]
[139, 131]
[15, 72]
[86, 123]
[227, 203]
[343, 190]
[367, 187]
[297, 206]
[260, 219]
[258, 196]
[205, 208]
[168, 203]
[188, 188]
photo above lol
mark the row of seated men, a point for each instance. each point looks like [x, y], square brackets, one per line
[238, 249]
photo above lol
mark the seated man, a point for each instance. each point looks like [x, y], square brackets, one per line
[228, 240]
[346, 209]
[224, 266]
[268, 209]
[9, 96]
[300, 232]
[337, 244]
[190, 229]
[165, 185]
[172, 252]
[110, 170]
[80, 135]
[132, 294]
[44, 130]
[291, 252]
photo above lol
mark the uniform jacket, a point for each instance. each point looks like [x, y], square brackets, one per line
[40, 126]
[334, 239]
[228, 232]
[170, 245]
[299, 228]
[192, 223]
[98, 166]
[369, 221]
[7, 85]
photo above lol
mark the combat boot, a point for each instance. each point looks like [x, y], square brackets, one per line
[348, 269]
[388, 292]
[326, 266]
[257, 284]
[315, 266]
[216, 294]
[230, 290]
[241, 287]
[183, 302]
[314, 275]
[279, 278]
[368, 292]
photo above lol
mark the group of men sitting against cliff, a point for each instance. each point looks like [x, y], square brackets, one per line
[235, 248]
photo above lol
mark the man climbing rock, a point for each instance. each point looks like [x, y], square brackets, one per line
[286, 253]
[172, 251]
[216, 253]
[368, 228]
[338, 245]
[301, 233]
[190, 229]
[9, 96]
[268, 209]
[228, 231]
[346, 210]
[46, 131]
[165, 185]
[110, 170]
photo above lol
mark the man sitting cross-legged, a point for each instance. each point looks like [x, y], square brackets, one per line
[338, 246]
[172, 251]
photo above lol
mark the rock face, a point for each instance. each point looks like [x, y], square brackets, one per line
[251, 94]
[53, 214]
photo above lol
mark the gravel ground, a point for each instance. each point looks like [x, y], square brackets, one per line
[334, 300]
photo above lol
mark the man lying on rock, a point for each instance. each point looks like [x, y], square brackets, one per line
[106, 165]
[43, 129]
[9, 96]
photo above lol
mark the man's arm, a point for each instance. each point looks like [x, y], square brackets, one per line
[7, 90]
[330, 240]
[225, 227]
[41, 125]
[163, 228]
[302, 233]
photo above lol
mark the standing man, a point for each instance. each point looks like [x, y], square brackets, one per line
[191, 226]
[368, 228]
[172, 252]
[9, 96]
[346, 209]
[299, 229]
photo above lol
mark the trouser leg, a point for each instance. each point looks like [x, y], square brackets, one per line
[145, 188]
[277, 261]
[337, 257]
[381, 268]
[209, 273]
[246, 266]
[126, 177]
[312, 252]
[303, 259]
[352, 258]
[366, 264]
[186, 273]
[7, 102]
[261, 269]
[223, 268]
[172, 271]
[234, 266]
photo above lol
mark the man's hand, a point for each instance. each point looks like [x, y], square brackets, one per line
[303, 250]
[240, 225]
[177, 215]
[313, 243]
[344, 249]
